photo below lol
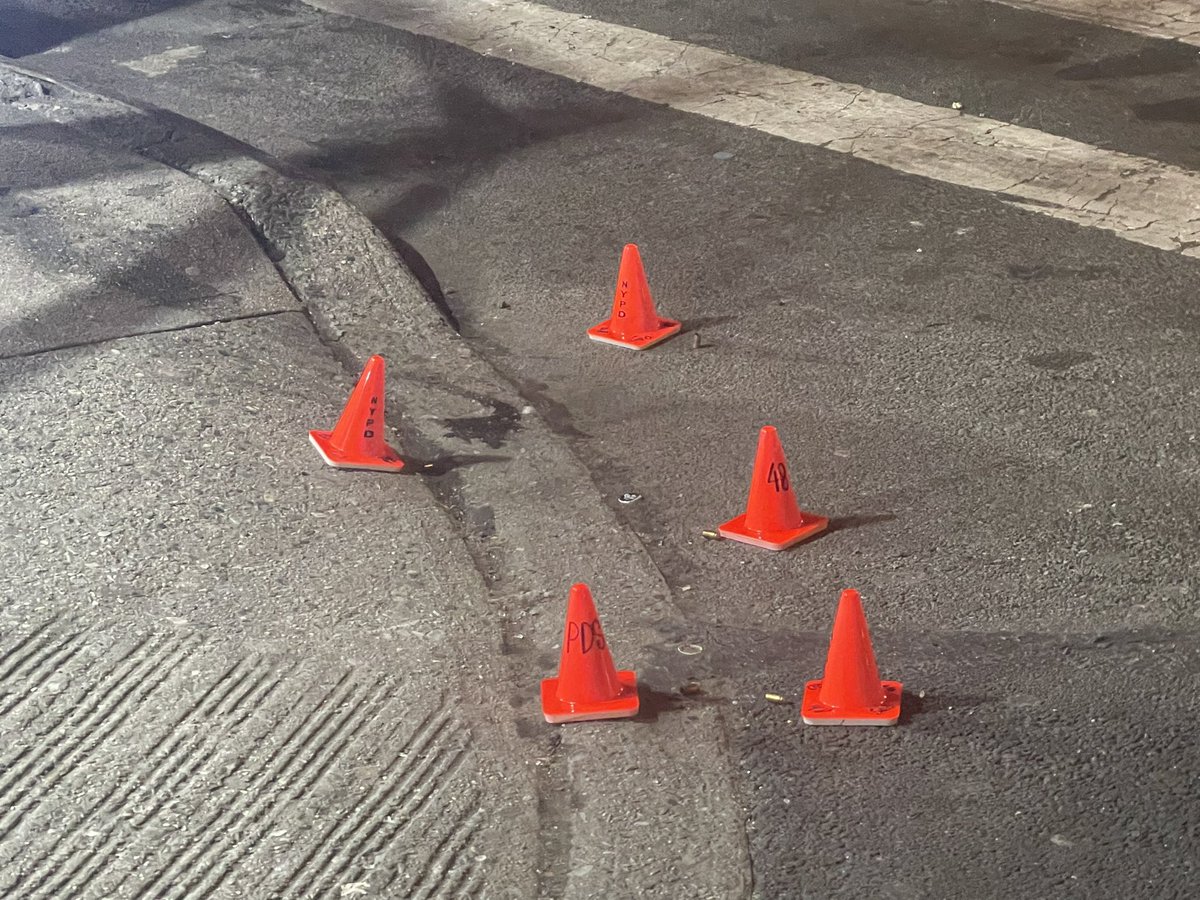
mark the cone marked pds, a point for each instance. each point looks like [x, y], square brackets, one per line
[588, 685]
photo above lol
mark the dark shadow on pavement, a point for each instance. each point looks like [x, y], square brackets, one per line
[691, 694]
[26, 30]
[705, 322]
[652, 702]
[913, 704]
[844, 523]
[441, 465]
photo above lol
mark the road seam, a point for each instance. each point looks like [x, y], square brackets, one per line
[145, 332]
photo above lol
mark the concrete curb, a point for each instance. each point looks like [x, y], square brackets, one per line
[621, 805]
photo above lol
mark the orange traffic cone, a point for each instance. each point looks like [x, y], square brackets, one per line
[634, 322]
[851, 692]
[772, 518]
[588, 686]
[356, 442]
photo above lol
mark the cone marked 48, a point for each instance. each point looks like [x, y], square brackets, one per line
[634, 322]
[773, 519]
[588, 685]
[357, 442]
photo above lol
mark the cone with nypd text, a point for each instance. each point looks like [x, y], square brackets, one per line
[850, 692]
[357, 442]
[588, 685]
[634, 322]
[773, 519]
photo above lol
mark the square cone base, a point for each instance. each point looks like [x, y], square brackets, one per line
[340, 460]
[666, 327]
[813, 712]
[735, 530]
[622, 707]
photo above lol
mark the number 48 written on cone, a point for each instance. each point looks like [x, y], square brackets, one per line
[778, 476]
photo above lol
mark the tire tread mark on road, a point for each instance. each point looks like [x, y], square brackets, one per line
[415, 805]
[466, 883]
[37, 637]
[274, 764]
[37, 640]
[382, 824]
[212, 748]
[176, 759]
[214, 739]
[44, 667]
[207, 878]
[431, 881]
[335, 835]
[35, 873]
[140, 678]
[49, 735]
[313, 757]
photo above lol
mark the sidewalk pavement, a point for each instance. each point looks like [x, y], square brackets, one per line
[340, 670]
[225, 669]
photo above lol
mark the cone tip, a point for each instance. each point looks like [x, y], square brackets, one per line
[850, 605]
[580, 602]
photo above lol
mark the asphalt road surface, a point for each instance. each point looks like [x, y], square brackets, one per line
[993, 393]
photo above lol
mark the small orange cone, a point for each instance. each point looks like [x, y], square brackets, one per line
[850, 692]
[772, 518]
[588, 686]
[356, 442]
[634, 322]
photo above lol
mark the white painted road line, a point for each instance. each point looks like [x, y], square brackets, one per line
[1140, 199]
[1174, 20]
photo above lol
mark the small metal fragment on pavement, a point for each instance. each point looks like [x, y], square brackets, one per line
[711, 535]
[690, 649]
[629, 497]
[697, 344]
[774, 698]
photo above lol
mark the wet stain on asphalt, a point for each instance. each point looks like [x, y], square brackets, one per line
[1034, 56]
[1036, 272]
[553, 413]
[482, 520]
[492, 430]
[1131, 65]
[1183, 109]
[1058, 360]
